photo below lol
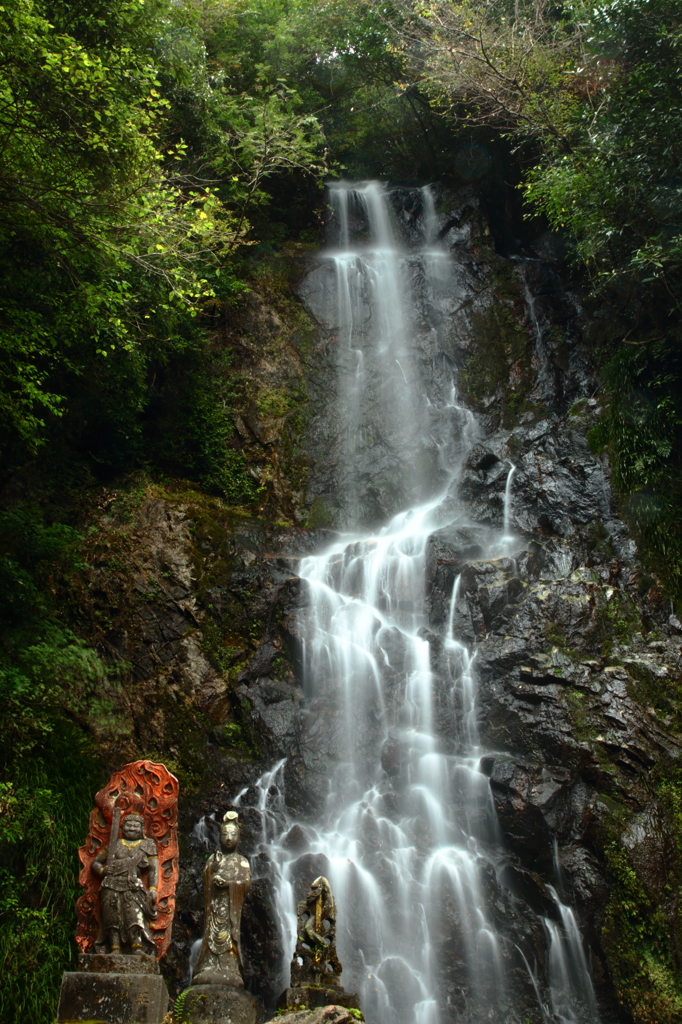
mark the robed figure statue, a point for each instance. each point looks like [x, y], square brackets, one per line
[227, 879]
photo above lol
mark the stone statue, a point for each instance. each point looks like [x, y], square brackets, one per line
[129, 874]
[315, 961]
[227, 879]
[126, 904]
[130, 864]
[315, 968]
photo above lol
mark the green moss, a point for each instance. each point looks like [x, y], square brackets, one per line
[498, 338]
[556, 637]
[320, 516]
[616, 617]
[578, 408]
[641, 427]
[223, 650]
[501, 361]
[280, 666]
[273, 404]
[642, 942]
[561, 349]
[637, 943]
[505, 283]
[578, 703]
[663, 693]
[294, 456]
[599, 539]
[598, 437]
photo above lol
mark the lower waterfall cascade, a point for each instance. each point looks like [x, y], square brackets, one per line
[407, 831]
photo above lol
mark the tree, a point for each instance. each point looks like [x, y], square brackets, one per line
[506, 65]
[107, 244]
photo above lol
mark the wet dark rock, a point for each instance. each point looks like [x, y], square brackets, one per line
[305, 870]
[520, 804]
[481, 471]
[402, 986]
[529, 888]
[296, 839]
[263, 954]
[648, 846]
[393, 757]
[273, 711]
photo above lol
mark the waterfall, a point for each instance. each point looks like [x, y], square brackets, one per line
[571, 994]
[430, 217]
[507, 502]
[406, 830]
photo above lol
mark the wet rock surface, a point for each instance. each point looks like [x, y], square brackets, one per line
[324, 1015]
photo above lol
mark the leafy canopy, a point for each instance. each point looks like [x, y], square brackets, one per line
[109, 239]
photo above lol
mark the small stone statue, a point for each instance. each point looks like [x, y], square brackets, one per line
[315, 961]
[227, 879]
[315, 968]
[126, 904]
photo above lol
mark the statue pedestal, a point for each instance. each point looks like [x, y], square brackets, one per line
[219, 1004]
[312, 996]
[113, 989]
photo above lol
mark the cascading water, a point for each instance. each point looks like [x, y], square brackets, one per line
[408, 834]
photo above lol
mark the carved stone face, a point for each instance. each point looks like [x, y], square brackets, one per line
[132, 829]
[229, 836]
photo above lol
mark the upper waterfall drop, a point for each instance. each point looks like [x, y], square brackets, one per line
[395, 431]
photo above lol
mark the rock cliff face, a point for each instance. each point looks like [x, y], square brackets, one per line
[578, 658]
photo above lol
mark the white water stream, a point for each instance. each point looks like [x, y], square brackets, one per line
[408, 836]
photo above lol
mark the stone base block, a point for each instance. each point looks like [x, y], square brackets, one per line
[219, 1004]
[105, 998]
[117, 963]
[312, 997]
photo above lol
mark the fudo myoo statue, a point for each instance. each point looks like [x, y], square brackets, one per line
[130, 864]
[227, 879]
[126, 904]
[129, 874]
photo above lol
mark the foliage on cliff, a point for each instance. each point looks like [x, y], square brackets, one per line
[48, 677]
[117, 242]
[617, 192]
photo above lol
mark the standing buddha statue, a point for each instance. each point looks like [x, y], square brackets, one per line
[227, 879]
